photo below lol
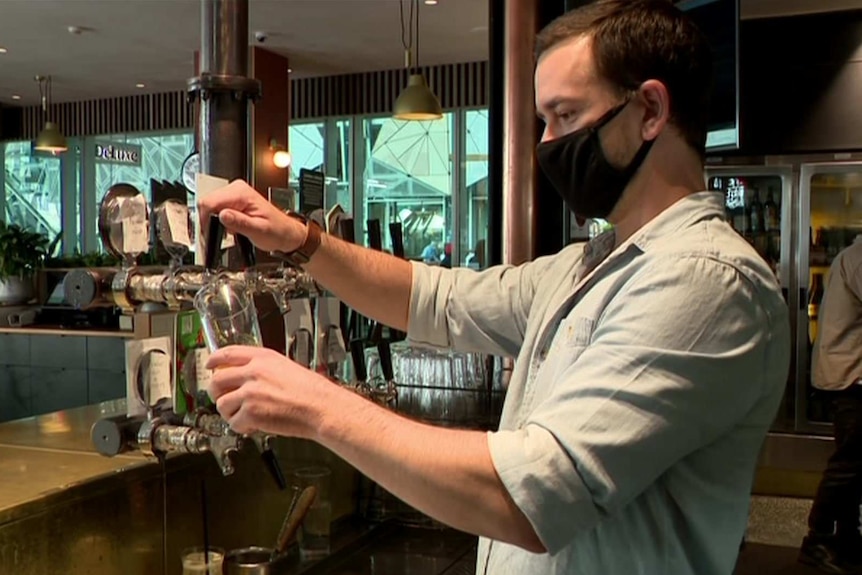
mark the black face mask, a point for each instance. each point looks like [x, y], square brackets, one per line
[578, 169]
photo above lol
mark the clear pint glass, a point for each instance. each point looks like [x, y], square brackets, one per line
[228, 314]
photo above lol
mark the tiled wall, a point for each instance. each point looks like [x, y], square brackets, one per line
[45, 373]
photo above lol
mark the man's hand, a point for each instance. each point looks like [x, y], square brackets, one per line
[258, 389]
[244, 211]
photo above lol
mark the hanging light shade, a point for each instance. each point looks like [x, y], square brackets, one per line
[50, 139]
[417, 101]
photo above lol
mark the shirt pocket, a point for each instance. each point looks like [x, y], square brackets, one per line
[571, 339]
[574, 332]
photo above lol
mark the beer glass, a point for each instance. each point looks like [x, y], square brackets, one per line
[228, 314]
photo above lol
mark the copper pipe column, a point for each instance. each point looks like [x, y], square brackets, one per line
[519, 169]
[224, 88]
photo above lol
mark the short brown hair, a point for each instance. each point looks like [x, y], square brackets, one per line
[638, 40]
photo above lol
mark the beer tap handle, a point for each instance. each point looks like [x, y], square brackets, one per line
[357, 352]
[246, 251]
[396, 232]
[263, 443]
[274, 468]
[386, 360]
[215, 235]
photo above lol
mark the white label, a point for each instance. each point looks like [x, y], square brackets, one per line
[149, 361]
[178, 223]
[329, 325]
[299, 316]
[336, 351]
[136, 237]
[159, 377]
[203, 375]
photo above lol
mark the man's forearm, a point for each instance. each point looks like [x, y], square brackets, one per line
[445, 473]
[374, 283]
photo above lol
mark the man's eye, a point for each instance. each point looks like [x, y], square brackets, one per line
[566, 116]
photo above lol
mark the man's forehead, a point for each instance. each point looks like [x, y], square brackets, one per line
[571, 61]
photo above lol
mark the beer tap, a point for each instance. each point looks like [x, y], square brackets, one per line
[386, 392]
[158, 434]
[262, 441]
[360, 373]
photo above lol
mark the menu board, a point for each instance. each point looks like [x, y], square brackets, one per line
[311, 187]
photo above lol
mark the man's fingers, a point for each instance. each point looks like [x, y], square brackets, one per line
[234, 356]
[226, 380]
[239, 223]
[228, 404]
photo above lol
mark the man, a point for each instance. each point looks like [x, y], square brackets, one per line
[431, 254]
[649, 364]
[833, 543]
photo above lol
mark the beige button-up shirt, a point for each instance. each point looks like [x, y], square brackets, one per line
[837, 353]
[645, 381]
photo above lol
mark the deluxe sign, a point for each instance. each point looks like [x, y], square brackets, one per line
[126, 154]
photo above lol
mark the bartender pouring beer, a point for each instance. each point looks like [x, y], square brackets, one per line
[650, 363]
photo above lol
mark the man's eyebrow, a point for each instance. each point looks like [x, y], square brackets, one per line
[554, 102]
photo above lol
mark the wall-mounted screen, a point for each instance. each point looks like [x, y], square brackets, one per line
[719, 21]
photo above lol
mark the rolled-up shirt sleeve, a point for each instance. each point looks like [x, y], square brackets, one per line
[472, 311]
[666, 371]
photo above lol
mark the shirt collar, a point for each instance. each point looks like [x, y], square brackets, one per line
[684, 213]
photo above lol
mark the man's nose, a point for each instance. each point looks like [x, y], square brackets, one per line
[548, 133]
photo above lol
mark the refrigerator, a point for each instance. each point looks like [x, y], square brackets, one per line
[818, 200]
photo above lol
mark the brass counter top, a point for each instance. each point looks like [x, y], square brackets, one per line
[48, 454]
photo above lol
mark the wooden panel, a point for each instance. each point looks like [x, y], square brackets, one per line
[139, 113]
[270, 116]
[456, 85]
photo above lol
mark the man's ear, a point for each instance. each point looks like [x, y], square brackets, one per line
[654, 98]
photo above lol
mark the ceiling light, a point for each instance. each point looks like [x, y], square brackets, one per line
[430, 2]
[2, 50]
[289, 70]
[139, 85]
[50, 139]
[16, 97]
[416, 101]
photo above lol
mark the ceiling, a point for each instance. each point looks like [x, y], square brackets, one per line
[126, 42]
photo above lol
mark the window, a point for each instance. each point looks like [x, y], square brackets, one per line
[324, 146]
[33, 189]
[473, 200]
[408, 178]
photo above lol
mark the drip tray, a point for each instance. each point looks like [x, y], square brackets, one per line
[403, 550]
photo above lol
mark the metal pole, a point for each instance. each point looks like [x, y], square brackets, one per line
[224, 88]
[519, 181]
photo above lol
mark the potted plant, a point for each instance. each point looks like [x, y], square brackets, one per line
[21, 253]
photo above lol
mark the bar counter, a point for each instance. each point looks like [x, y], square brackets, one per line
[43, 458]
[64, 508]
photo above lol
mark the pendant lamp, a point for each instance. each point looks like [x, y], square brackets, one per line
[50, 139]
[416, 101]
